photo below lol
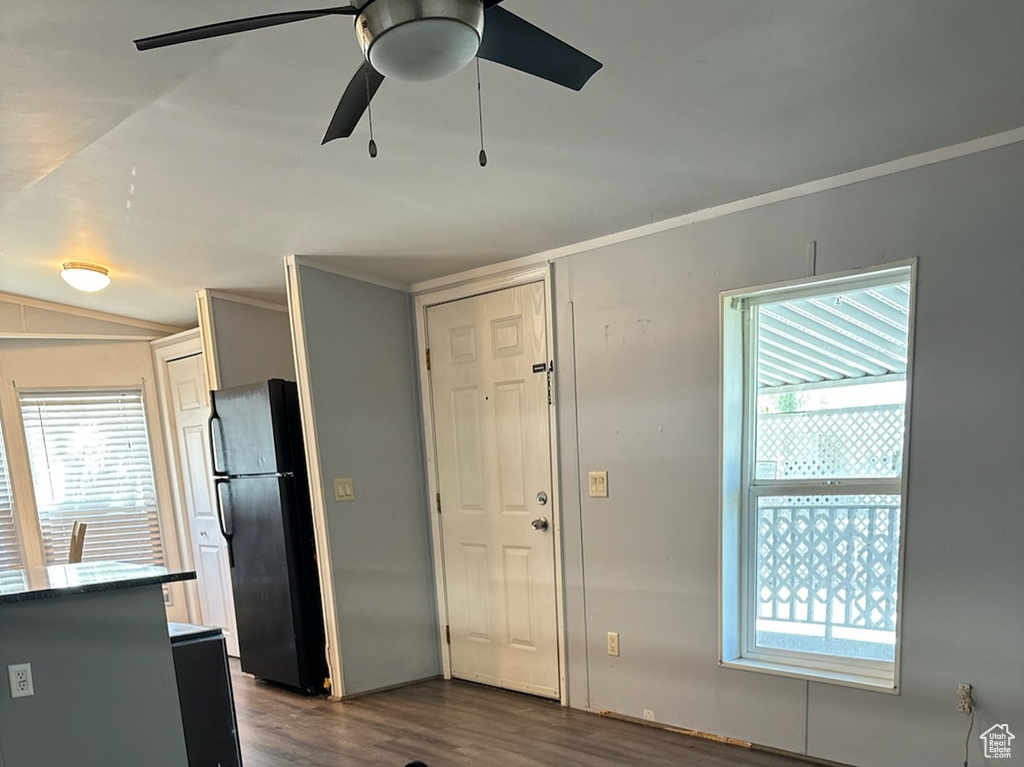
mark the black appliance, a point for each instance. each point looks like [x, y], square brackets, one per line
[204, 693]
[262, 491]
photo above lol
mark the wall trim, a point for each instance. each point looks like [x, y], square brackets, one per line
[92, 314]
[239, 299]
[183, 337]
[307, 261]
[164, 350]
[724, 740]
[6, 336]
[204, 311]
[316, 486]
[800, 190]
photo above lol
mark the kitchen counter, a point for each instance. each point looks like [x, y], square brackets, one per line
[104, 690]
[64, 580]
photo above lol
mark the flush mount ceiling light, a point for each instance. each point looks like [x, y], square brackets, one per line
[85, 277]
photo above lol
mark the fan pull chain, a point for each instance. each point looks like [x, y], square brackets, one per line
[369, 108]
[480, 111]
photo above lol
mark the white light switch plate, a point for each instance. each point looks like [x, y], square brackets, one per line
[343, 490]
[21, 680]
[599, 484]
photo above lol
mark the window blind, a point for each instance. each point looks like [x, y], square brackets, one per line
[10, 553]
[90, 461]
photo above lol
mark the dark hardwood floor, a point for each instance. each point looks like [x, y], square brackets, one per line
[456, 724]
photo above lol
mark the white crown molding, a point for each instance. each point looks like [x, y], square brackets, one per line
[91, 314]
[126, 338]
[308, 262]
[800, 190]
[223, 295]
[185, 337]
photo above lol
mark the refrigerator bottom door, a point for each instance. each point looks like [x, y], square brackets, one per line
[262, 578]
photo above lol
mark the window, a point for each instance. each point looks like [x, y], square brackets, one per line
[90, 460]
[10, 551]
[814, 440]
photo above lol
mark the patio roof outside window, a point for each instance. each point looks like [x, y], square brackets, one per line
[831, 340]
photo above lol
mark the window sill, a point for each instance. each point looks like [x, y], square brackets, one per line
[858, 681]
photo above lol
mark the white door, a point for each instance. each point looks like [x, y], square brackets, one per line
[190, 408]
[489, 389]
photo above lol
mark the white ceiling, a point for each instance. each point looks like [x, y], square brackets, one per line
[201, 166]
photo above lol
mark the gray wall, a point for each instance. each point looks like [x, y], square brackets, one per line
[359, 342]
[641, 321]
[253, 343]
[105, 692]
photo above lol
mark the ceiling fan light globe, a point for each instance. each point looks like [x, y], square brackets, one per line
[420, 39]
[425, 49]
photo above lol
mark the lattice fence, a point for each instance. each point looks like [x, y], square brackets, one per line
[828, 560]
[851, 442]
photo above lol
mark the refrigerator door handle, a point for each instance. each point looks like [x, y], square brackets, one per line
[209, 432]
[221, 521]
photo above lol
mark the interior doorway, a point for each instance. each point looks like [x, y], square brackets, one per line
[186, 402]
[491, 421]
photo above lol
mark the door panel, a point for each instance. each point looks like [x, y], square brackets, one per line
[190, 409]
[251, 429]
[256, 512]
[491, 426]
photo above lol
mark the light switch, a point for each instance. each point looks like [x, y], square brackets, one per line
[343, 490]
[599, 484]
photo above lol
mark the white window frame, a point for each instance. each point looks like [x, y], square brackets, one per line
[739, 491]
[5, 472]
[30, 477]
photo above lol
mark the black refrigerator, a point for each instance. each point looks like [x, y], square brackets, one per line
[259, 468]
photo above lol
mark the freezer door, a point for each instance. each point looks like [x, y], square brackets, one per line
[255, 429]
[273, 578]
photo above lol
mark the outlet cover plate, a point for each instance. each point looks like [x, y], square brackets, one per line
[21, 680]
[613, 643]
[964, 697]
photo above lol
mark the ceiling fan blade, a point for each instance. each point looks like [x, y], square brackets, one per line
[238, 25]
[517, 43]
[489, 3]
[353, 103]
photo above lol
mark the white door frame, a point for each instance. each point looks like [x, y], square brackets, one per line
[165, 350]
[423, 301]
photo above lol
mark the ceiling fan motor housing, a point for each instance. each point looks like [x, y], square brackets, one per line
[420, 39]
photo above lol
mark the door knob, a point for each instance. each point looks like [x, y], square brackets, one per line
[540, 524]
[202, 533]
[542, 498]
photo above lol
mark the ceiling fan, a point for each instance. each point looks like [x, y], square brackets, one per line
[419, 40]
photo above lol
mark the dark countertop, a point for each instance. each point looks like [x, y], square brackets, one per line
[187, 632]
[63, 580]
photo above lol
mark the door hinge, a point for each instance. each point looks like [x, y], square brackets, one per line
[447, 634]
[437, 497]
[428, 359]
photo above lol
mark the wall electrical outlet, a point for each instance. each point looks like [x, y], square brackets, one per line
[613, 643]
[21, 680]
[964, 698]
[649, 715]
